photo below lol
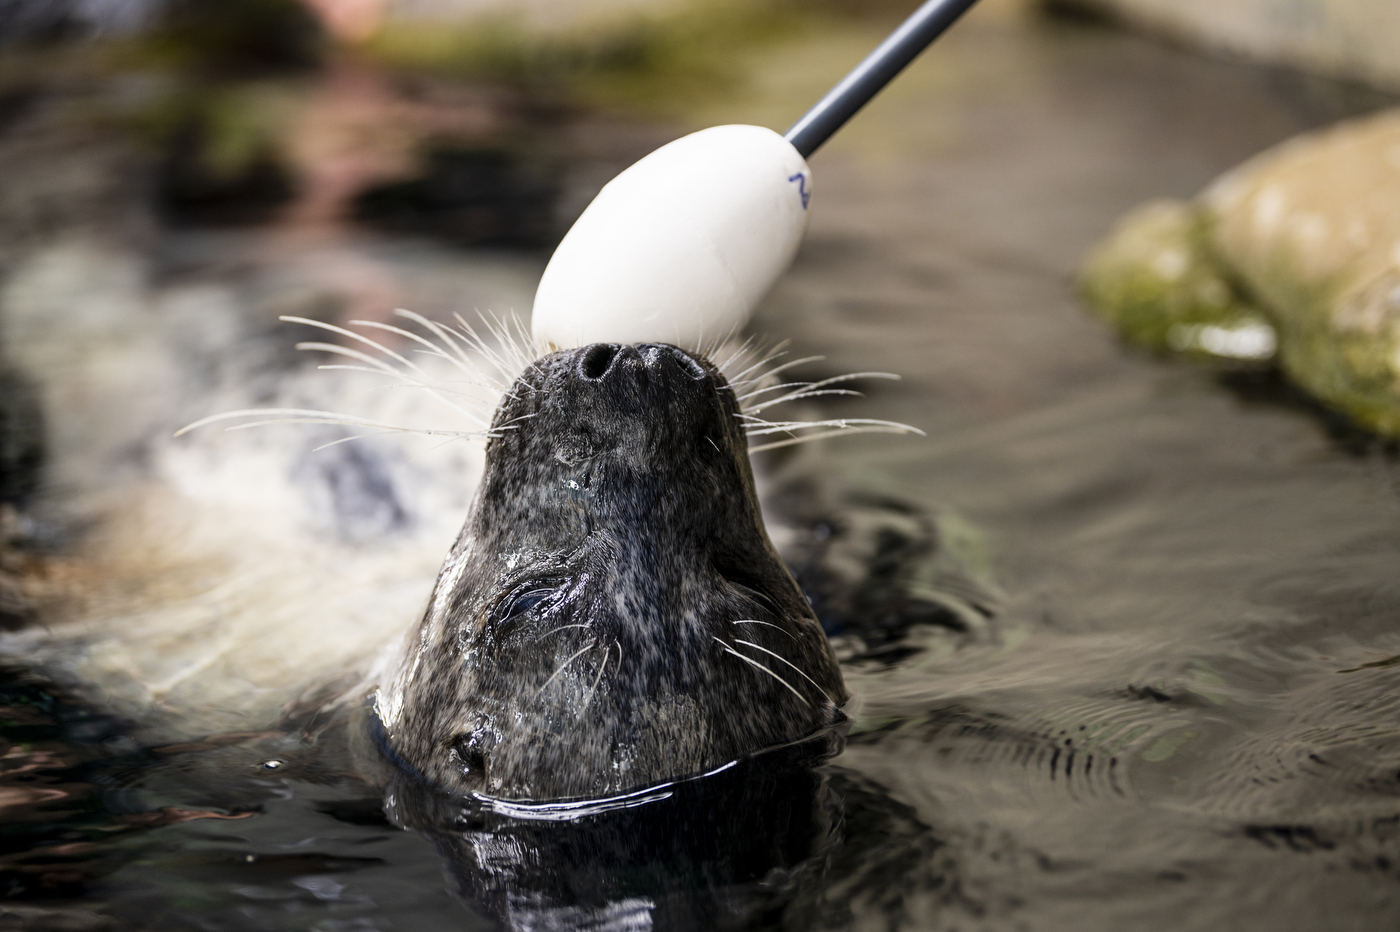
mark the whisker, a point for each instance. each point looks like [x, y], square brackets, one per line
[737, 353]
[352, 335]
[708, 349]
[481, 346]
[840, 423]
[572, 658]
[755, 663]
[560, 628]
[406, 381]
[596, 680]
[439, 446]
[778, 351]
[511, 332]
[494, 389]
[782, 368]
[327, 417]
[510, 425]
[465, 351]
[495, 375]
[786, 661]
[338, 366]
[799, 396]
[449, 340]
[365, 358]
[433, 348]
[451, 350]
[769, 624]
[771, 388]
[791, 363]
[808, 438]
[378, 433]
[812, 387]
[342, 422]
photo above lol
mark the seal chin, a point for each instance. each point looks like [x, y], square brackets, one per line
[613, 614]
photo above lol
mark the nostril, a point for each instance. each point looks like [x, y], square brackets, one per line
[655, 353]
[692, 365]
[596, 360]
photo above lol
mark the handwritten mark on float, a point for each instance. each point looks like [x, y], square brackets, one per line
[801, 179]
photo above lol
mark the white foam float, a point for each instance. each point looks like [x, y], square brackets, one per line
[681, 247]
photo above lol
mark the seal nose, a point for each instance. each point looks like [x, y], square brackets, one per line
[596, 363]
[601, 360]
[659, 355]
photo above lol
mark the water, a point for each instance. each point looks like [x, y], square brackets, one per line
[1182, 715]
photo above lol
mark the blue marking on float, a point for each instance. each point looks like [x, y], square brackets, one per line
[801, 179]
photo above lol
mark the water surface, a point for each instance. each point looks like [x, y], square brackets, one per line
[1183, 715]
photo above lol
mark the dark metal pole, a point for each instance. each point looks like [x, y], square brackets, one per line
[878, 69]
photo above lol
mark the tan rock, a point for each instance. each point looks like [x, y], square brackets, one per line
[1311, 229]
[1307, 233]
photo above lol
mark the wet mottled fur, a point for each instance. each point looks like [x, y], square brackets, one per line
[605, 619]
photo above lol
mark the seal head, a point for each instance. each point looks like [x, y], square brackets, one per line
[613, 614]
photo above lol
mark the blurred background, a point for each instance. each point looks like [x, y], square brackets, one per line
[1191, 557]
[490, 123]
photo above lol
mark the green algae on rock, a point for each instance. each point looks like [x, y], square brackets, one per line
[1309, 231]
[1156, 280]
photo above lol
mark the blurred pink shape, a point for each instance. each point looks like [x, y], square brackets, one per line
[350, 20]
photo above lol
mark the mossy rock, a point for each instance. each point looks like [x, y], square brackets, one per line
[1304, 237]
[1155, 280]
[1312, 228]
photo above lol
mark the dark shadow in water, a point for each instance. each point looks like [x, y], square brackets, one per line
[774, 843]
[54, 826]
[779, 841]
[21, 437]
[1270, 387]
[735, 849]
[22, 456]
[471, 197]
[189, 193]
[873, 565]
[239, 38]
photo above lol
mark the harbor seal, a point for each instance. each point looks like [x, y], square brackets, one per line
[613, 614]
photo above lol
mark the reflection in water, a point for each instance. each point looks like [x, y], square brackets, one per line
[721, 851]
[784, 840]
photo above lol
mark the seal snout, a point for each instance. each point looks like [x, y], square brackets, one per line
[613, 614]
[596, 362]
[642, 400]
[611, 362]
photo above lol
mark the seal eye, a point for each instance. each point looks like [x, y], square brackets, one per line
[528, 601]
[529, 598]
